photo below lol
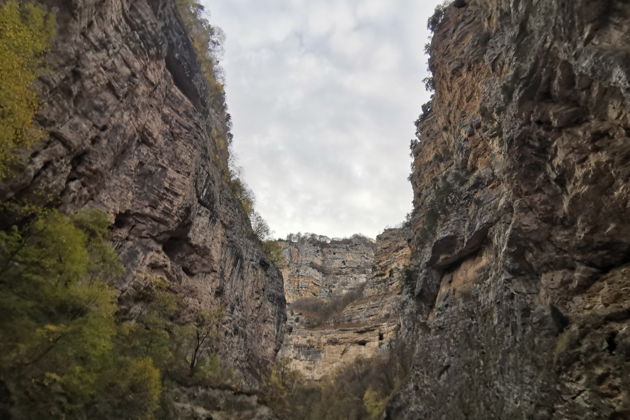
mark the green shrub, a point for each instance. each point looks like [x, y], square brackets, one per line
[58, 355]
[26, 32]
[130, 390]
[273, 251]
[374, 403]
[64, 353]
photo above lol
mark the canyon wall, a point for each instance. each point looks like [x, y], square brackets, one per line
[362, 282]
[317, 266]
[521, 240]
[134, 131]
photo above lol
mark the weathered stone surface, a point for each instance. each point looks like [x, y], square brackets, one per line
[202, 403]
[132, 132]
[317, 266]
[369, 321]
[521, 242]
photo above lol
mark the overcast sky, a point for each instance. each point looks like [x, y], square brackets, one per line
[323, 95]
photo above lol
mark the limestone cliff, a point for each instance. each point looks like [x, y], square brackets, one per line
[521, 246]
[133, 131]
[317, 266]
[360, 285]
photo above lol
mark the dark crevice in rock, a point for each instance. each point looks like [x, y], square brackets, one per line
[611, 343]
[443, 371]
[560, 320]
[445, 252]
[182, 78]
[123, 219]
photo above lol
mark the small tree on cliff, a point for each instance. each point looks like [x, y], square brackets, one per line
[197, 340]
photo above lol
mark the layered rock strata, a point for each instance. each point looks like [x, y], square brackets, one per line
[317, 266]
[134, 132]
[370, 275]
[521, 245]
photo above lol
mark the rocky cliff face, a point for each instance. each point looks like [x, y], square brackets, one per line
[521, 244]
[135, 133]
[316, 266]
[362, 280]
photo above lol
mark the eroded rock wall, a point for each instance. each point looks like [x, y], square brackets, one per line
[521, 246]
[374, 270]
[316, 266]
[135, 133]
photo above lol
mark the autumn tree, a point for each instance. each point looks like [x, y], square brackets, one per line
[58, 357]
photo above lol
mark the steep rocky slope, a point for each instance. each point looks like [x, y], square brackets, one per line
[521, 246]
[366, 277]
[134, 132]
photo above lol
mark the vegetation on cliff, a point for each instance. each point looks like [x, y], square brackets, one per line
[26, 32]
[60, 352]
[319, 311]
[207, 40]
[59, 355]
[358, 391]
[67, 348]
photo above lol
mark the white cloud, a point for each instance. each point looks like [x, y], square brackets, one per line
[375, 9]
[324, 17]
[323, 95]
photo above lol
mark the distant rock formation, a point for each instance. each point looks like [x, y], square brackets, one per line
[344, 298]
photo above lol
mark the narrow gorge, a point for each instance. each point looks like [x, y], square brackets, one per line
[136, 284]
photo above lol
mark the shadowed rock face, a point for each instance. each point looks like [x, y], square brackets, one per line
[130, 124]
[521, 245]
[368, 274]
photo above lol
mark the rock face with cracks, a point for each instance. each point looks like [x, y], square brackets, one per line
[317, 266]
[521, 240]
[134, 132]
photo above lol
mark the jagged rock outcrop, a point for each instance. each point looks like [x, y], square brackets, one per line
[365, 277]
[135, 133]
[521, 246]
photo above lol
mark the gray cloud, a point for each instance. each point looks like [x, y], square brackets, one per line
[323, 95]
